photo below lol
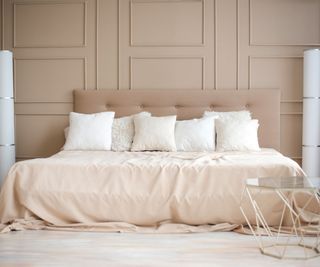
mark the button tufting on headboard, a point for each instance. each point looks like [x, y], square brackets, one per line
[264, 104]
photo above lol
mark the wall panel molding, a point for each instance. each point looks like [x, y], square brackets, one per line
[160, 58]
[166, 44]
[227, 44]
[51, 3]
[225, 49]
[16, 60]
[251, 58]
[254, 42]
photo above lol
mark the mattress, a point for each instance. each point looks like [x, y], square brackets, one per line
[135, 191]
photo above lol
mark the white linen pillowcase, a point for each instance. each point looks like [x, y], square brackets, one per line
[237, 135]
[243, 115]
[195, 135]
[89, 131]
[154, 133]
[123, 132]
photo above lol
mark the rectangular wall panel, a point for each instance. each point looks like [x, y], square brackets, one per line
[39, 136]
[167, 23]
[60, 45]
[226, 44]
[278, 72]
[167, 73]
[45, 24]
[48, 79]
[107, 46]
[291, 132]
[285, 22]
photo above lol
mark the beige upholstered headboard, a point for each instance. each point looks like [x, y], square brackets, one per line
[264, 105]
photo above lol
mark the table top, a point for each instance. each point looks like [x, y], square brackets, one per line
[285, 183]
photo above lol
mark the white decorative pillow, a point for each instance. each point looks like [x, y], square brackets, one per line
[123, 132]
[237, 135]
[195, 135]
[89, 131]
[243, 115]
[154, 133]
[66, 132]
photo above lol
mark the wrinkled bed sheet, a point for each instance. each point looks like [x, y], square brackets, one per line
[138, 191]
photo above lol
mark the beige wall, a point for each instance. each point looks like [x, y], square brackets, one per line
[107, 44]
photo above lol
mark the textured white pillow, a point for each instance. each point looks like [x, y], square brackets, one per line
[195, 135]
[154, 133]
[89, 131]
[123, 132]
[237, 135]
[243, 115]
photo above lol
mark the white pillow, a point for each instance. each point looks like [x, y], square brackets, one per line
[195, 135]
[154, 133]
[243, 115]
[237, 135]
[123, 132]
[89, 131]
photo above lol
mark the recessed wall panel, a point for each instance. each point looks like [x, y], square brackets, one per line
[291, 132]
[60, 45]
[285, 73]
[44, 137]
[226, 44]
[48, 80]
[285, 22]
[45, 24]
[167, 23]
[167, 73]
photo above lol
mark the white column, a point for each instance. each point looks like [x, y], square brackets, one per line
[7, 140]
[311, 113]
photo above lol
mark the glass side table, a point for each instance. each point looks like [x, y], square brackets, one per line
[301, 239]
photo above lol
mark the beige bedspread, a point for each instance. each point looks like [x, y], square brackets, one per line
[137, 191]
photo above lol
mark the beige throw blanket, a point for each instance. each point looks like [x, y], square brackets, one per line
[137, 191]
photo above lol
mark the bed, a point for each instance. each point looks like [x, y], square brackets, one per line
[148, 191]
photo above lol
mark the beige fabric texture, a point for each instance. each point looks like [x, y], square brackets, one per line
[128, 191]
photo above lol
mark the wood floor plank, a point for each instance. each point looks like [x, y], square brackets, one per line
[59, 248]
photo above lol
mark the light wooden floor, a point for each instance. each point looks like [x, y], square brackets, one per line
[53, 248]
